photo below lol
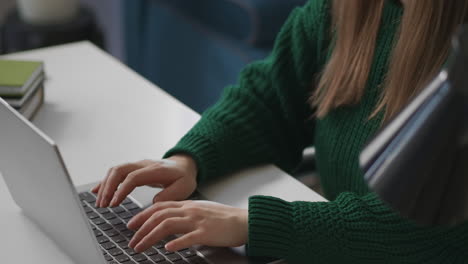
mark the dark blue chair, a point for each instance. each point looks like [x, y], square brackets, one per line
[194, 48]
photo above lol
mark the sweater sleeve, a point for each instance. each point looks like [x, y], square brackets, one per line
[351, 228]
[265, 117]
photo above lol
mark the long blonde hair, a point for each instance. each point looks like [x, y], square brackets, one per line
[421, 48]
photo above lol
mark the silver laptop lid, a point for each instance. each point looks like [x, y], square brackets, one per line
[39, 183]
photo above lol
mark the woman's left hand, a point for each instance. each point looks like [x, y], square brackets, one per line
[199, 222]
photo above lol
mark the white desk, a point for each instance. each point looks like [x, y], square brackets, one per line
[102, 114]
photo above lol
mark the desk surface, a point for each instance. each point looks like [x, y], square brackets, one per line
[100, 113]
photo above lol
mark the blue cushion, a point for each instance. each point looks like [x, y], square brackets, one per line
[191, 65]
[195, 48]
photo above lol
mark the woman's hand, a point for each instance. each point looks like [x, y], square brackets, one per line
[177, 175]
[199, 222]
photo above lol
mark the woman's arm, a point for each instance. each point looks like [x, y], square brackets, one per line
[351, 228]
[265, 118]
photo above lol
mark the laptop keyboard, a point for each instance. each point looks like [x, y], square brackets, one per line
[110, 228]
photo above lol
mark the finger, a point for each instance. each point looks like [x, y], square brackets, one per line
[95, 189]
[179, 190]
[99, 194]
[185, 241]
[168, 227]
[114, 178]
[101, 188]
[139, 219]
[113, 181]
[144, 176]
[154, 221]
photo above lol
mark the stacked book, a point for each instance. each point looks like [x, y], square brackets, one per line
[22, 85]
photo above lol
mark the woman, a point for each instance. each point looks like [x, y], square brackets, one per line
[338, 72]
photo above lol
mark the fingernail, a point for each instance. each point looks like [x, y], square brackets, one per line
[112, 203]
[138, 248]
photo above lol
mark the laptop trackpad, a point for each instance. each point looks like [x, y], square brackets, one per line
[143, 196]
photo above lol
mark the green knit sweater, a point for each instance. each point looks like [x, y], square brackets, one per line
[265, 118]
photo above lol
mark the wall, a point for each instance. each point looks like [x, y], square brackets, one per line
[5, 5]
[108, 16]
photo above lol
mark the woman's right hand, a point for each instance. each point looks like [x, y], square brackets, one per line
[177, 175]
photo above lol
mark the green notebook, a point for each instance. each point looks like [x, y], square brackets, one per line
[16, 77]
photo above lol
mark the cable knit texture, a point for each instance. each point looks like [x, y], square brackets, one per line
[265, 118]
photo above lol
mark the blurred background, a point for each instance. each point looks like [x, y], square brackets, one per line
[191, 49]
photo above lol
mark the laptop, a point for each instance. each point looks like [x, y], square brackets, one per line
[39, 183]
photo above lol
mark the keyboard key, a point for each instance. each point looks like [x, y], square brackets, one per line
[112, 262]
[147, 262]
[121, 227]
[108, 245]
[124, 244]
[165, 251]
[118, 209]
[97, 233]
[128, 233]
[119, 239]
[131, 206]
[188, 253]
[136, 211]
[87, 209]
[160, 244]
[122, 258]
[181, 262]
[127, 201]
[126, 220]
[107, 257]
[126, 215]
[115, 252]
[151, 251]
[158, 258]
[102, 210]
[102, 239]
[109, 216]
[111, 232]
[105, 227]
[115, 221]
[173, 257]
[98, 221]
[93, 215]
[139, 257]
[86, 196]
[130, 251]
